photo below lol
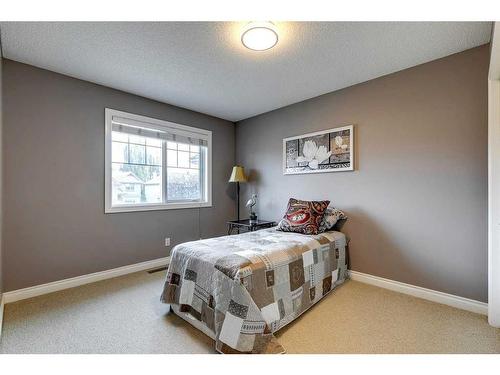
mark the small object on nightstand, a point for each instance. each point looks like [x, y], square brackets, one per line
[252, 202]
[249, 226]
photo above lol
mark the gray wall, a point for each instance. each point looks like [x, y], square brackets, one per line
[54, 221]
[1, 195]
[417, 201]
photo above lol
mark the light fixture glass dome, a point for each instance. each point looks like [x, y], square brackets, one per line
[259, 36]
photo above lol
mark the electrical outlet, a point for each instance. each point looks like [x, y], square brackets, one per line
[167, 241]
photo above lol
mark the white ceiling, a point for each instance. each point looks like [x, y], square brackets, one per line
[203, 66]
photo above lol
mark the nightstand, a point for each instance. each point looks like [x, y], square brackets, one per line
[248, 226]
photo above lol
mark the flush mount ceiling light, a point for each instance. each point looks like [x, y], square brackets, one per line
[259, 36]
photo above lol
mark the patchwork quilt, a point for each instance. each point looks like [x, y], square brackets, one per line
[245, 287]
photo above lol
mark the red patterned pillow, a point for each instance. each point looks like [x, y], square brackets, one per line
[303, 216]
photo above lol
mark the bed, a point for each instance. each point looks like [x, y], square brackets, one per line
[241, 289]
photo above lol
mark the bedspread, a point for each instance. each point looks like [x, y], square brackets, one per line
[245, 287]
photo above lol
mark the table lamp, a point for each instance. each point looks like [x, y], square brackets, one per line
[238, 175]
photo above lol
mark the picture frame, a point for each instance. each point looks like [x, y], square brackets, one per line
[330, 150]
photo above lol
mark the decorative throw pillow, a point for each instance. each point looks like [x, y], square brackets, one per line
[330, 218]
[303, 216]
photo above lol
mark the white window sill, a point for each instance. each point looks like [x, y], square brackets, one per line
[156, 207]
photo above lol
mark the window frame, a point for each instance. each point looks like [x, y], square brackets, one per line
[160, 125]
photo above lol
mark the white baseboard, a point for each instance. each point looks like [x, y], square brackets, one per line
[38, 290]
[419, 292]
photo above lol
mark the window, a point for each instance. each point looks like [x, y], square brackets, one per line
[153, 164]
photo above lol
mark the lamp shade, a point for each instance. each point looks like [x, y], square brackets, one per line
[238, 174]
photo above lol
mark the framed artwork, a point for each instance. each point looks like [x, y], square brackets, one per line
[329, 150]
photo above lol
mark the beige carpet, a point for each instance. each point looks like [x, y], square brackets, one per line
[124, 315]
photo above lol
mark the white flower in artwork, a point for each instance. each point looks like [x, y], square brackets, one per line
[339, 142]
[313, 154]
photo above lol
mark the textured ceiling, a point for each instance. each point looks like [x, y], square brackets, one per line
[203, 66]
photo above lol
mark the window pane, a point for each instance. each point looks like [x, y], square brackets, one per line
[194, 160]
[136, 184]
[137, 139]
[137, 154]
[153, 142]
[153, 155]
[118, 136]
[183, 147]
[183, 184]
[153, 186]
[171, 158]
[119, 152]
[145, 169]
[183, 159]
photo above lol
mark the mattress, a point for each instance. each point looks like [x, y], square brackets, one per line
[241, 289]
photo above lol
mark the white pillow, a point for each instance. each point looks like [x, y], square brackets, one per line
[330, 218]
